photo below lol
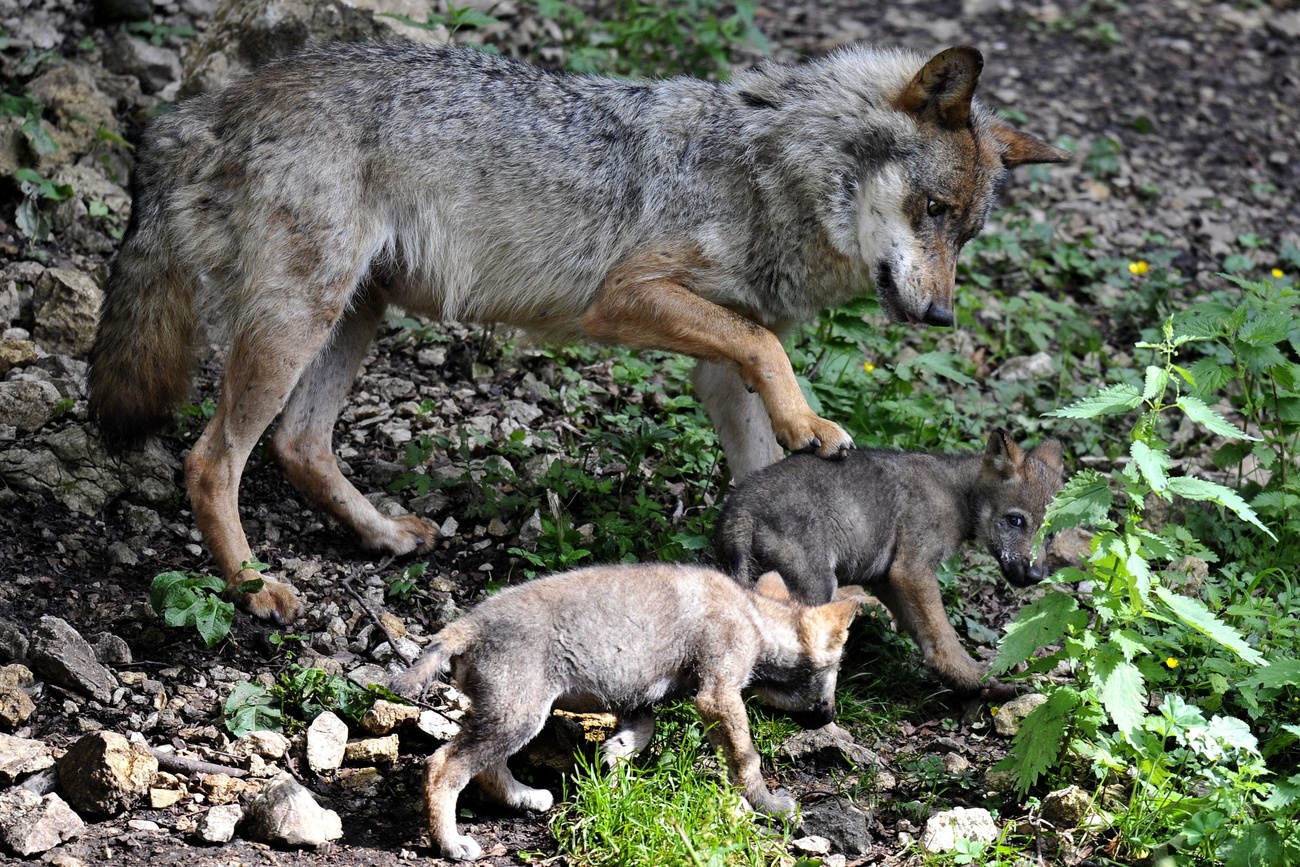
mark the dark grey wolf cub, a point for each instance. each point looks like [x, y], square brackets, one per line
[886, 520]
[294, 206]
[621, 639]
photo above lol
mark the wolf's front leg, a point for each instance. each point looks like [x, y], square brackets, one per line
[912, 596]
[640, 306]
[738, 416]
[723, 712]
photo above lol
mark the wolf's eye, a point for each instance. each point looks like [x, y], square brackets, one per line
[935, 208]
[1016, 521]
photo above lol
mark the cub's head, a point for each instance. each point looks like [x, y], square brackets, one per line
[798, 672]
[1017, 487]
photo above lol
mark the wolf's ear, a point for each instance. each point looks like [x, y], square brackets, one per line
[1019, 149]
[1049, 452]
[771, 585]
[1002, 457]
[941, 92]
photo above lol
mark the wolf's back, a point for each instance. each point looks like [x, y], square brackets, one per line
[141, 362]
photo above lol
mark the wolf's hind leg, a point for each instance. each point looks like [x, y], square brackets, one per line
[262, 369]
[631, 736]
[303, 446]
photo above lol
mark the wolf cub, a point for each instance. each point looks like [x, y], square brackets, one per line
[886, 520]
[621, 639]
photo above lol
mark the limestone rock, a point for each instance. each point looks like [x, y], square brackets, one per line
[66, 306]
[104, 773]
[72, 467]
[154, 66]
[437, 726]
[1007, 720]
[1067, 808]
[286, 814]
[218, 824]
[268, 745]
[821, 747]
[59, 653]
[20, 756]
[372, 751]
[384, 716]
[15, 353]
[28, 404]
[942, 830]
[31, 824]
[327, 740]
[840, 821]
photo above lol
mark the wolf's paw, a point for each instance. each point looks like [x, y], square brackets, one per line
[461, 848]
[404, 534]
[409, 684]
[824, 438]
[276, 601]
[998, 691]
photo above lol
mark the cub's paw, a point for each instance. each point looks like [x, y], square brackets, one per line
[461, 848]
[276, 601]
[779, 803]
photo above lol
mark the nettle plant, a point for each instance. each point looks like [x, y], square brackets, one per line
[1198, 785]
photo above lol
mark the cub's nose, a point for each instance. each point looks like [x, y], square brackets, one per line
[938, 314]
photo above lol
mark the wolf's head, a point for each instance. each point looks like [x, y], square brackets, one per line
[1016, 488]
[920, 209]
[898, 160]
[797, 673]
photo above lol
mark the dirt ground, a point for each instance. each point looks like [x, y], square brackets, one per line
[1204, 99]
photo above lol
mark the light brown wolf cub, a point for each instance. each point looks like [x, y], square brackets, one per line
[621, 639]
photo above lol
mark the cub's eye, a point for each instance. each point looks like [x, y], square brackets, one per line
[935, 208]
[1016, 521]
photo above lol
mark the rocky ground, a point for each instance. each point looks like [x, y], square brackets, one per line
[1200, 96]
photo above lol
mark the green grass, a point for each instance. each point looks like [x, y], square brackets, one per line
[671, 807]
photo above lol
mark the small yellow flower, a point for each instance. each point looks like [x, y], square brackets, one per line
[1171, 662]
[1277, 274]
[993, 711]
[1138, 268]
[868, 366]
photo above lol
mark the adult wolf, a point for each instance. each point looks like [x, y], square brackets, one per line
[295, 205]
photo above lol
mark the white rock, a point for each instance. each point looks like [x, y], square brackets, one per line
[30, 824]
[286, 814]
[327, 738]
[218, 824]
[942, 830]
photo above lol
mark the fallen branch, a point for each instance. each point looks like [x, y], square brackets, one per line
[173, 763]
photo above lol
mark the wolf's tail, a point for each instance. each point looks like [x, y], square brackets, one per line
[736, 547]
[142, 359]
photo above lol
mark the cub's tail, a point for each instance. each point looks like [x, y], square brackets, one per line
[735, 546]
[435, 662]
[142, 359]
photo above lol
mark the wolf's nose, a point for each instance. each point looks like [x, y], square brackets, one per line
[937, 314]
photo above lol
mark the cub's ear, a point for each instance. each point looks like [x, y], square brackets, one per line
[1002, 457]
[941, 92]
[1020, 149]
[1049, 452]
[834, 619]
[771, 585]
[850, 591]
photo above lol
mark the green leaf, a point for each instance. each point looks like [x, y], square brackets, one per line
[1085, 499]
[1201, 489]
[250, 708]
[1153, 464]
[1110, 400]
[1195, 614]
[1278, 673]
[1040, 623]
[1156, 381]
[1260, 846]
[1121, 688]
[1197, 410]
[1037, 746]
[212, 618]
